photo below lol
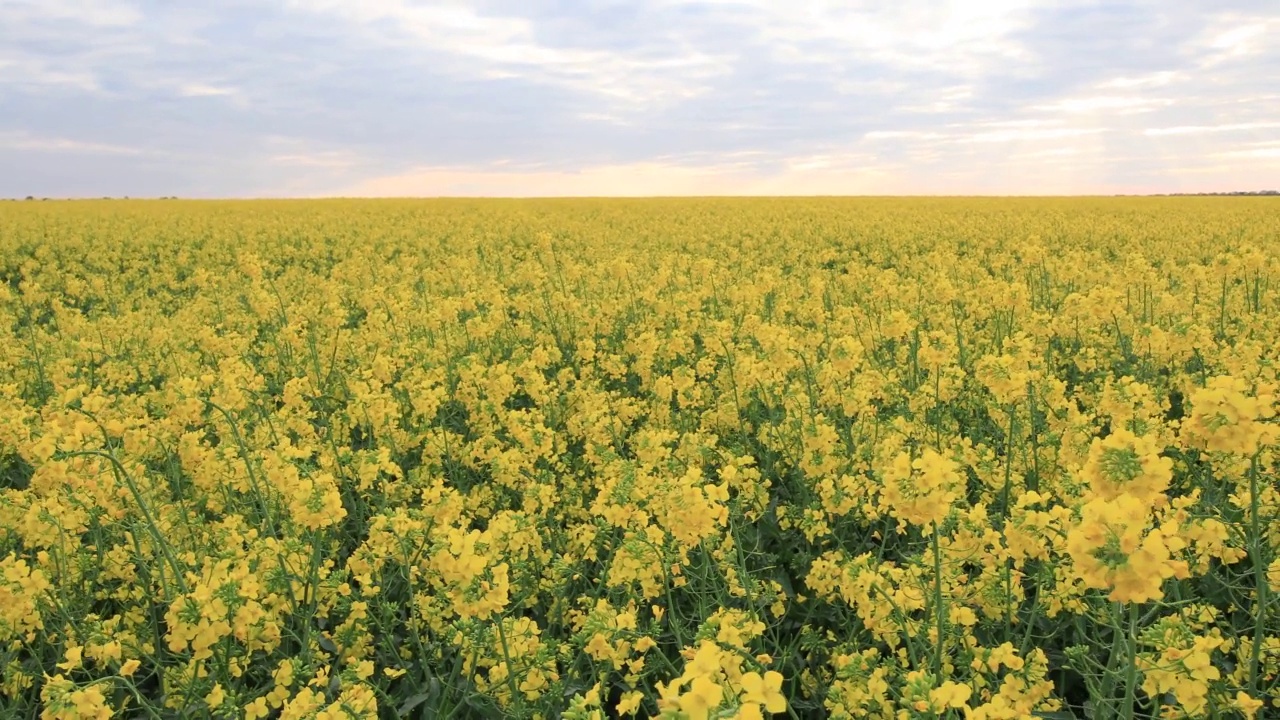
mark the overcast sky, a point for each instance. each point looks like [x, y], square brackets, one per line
[660, 97]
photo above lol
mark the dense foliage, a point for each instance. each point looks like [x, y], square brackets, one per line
[700, 458]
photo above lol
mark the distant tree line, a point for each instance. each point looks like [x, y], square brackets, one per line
[1233, 193]
[104, 197]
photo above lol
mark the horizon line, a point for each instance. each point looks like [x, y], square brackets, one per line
[287, 198]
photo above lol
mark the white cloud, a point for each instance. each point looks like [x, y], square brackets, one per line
[1264, 150]
[875, 135]
[1233, 37]
[27, 141]
[1210, 129]
[20, 70]
[1053, 153]
[1239, 40]
[1156, 79]
[203, 90]
[339, 160]
[944, 101]
[98, 13]
[1120, 104]
[1029, 134]
[495, 46]
[955, 36]
[984, 133]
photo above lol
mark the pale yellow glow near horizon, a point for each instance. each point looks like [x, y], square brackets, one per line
[631, 180]
[647, 179]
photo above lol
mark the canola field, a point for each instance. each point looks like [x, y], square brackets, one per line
[848, 458]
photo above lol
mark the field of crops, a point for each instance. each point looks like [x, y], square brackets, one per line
[961, 458]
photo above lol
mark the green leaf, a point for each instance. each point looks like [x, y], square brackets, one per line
[413, 702]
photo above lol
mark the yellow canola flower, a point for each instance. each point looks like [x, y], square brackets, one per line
[1123, 463]
[920, 491]
[73, 658]
[950, 695]
[629, 704]
[764, 691]
[1228, 417]
[706, 662]
[20, 587]
[315, 503]
[355, 702]
[64, 701]
[1248, 706]
[216, 697]
[703, 696]
[1114, 548]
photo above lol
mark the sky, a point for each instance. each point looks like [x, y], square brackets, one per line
[661, 97]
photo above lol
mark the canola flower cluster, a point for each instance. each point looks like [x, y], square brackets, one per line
[896, 459]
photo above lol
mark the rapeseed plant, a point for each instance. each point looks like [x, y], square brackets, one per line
[981, 459]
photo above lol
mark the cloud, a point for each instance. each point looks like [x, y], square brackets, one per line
[203, 90]
[497, 46]
[1265, 150]
[1211, 129]
[1148, 80]
[316, 97]
[1106, 104]
[24, 141]
[955, 37]
[95, 13]
[1234, 36]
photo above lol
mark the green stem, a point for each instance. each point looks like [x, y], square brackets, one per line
[1008, 462]
[516, 698]
[937, 603]
[123, 476]
[1033, 479]
[1110, 674]
[1131, 663]
[248, 467]
[1259, 579]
